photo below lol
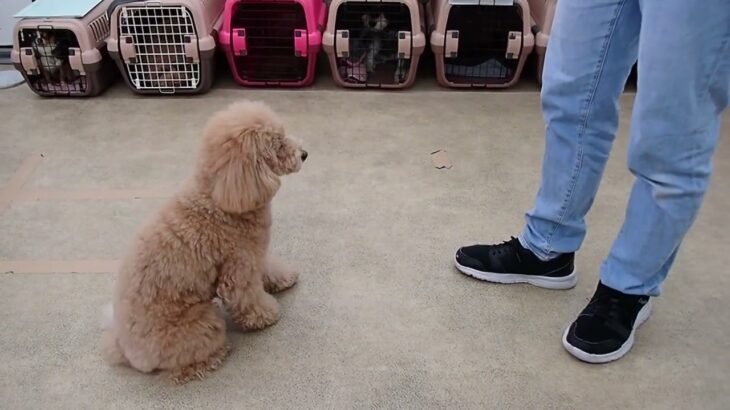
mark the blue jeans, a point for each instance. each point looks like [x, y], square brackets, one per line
[683, 51]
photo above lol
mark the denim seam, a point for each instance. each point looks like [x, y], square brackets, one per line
[710, 79]
[716, 66]
[583, 125]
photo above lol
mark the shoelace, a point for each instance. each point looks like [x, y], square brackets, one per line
[609, 309]
[504, 246]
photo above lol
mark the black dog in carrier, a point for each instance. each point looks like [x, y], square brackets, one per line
[52, 50]
[373, 40]
[63, 53]
[376, 44]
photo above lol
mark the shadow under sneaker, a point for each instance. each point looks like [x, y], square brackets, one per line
[509, 262]
[604, 330]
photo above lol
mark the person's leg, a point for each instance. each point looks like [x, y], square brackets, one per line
[593, 45]
[684, 84]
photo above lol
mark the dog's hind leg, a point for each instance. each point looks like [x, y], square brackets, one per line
[109, 344]
[278, 276]
[110, 349]
[198, 370]
[194, 345]
[241, 288]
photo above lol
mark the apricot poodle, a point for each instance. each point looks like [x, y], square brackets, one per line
[210, 241]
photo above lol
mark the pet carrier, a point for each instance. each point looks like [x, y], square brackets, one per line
[480, 43]
[165, 46]
[60, 50]
[375, 43]
[543, 12]
[273, 42]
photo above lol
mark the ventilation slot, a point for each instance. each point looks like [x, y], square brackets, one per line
[100, 28]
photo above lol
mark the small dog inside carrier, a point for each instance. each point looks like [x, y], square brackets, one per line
[480, 43]
[375, 44]
[273, 42]
[61, 51]
[165, 46]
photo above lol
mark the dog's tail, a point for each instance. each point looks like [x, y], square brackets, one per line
[109, 344]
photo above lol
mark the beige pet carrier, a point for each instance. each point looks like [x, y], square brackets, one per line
[60, 48]
[375, 43]
[165, 46]
[480, 43]
[543, 12]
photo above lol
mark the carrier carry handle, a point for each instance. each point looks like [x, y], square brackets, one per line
[117, 3]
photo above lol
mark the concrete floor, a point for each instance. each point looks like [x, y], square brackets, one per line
[380, 318]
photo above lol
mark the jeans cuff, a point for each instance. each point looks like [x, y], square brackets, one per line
[527, 244]
[623, 283]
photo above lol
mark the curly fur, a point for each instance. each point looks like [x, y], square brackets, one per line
[209, 241]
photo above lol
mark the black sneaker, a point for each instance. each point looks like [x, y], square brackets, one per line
[604, 331]
[509, 262]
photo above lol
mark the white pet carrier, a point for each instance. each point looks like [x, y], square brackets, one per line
[165, 46]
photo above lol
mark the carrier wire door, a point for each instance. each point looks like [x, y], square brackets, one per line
[273, 42]
[61, 50]
[52, 56]
[166, 46]
[375, 44]
[480, 43]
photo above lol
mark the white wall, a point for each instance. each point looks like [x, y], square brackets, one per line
[7, 10]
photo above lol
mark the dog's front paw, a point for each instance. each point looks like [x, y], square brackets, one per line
[263, 313]
[281, 281]
[279, 276]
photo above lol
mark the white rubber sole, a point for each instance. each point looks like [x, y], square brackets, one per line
[643, 315]
[547, 282]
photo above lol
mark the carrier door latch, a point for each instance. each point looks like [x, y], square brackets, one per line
[191, 48]
[451, 48]
[239, 42]
[300, 43]
[28, 60]
[74, 60]
[126, 48]
[342, 43]
[514, 45]
[404, 44]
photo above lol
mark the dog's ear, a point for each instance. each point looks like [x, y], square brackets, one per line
[243, 180]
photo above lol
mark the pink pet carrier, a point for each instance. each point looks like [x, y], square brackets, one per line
[480, 43]
[543, 12]
[60, 49]
[273, 42]
[375, 43]
[165, 46]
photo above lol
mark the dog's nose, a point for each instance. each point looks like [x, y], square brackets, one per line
[305, 154]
